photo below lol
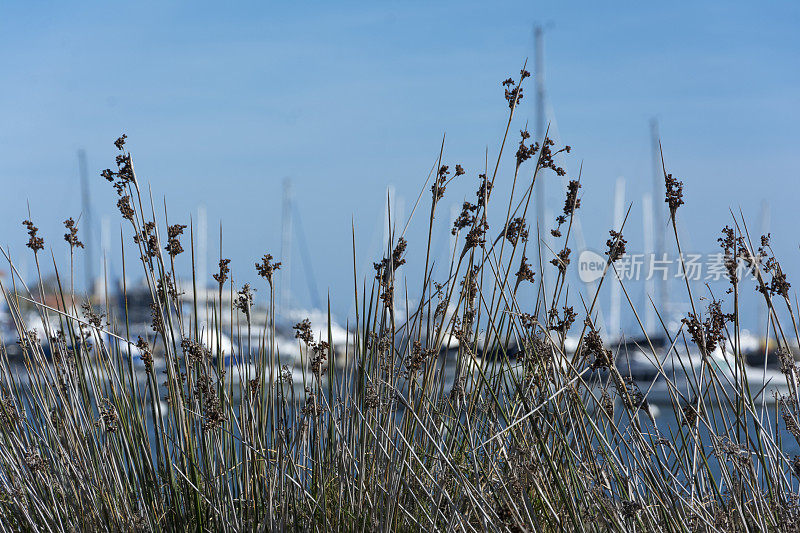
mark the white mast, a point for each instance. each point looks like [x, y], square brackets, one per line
[202, 249]
[650, 282]
[286, 248]
[614, 319]
[541, 204]
[86, 203]
[658, 211]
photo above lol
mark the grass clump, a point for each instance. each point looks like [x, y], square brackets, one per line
[527, 423]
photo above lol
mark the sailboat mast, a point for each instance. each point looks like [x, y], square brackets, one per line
[86, 207]
[202, 249]
[658, 212]
[539, 134]
[649, 283]
[286, 247]
[614, 320]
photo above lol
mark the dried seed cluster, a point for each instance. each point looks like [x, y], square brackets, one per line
[561, 324]
[244, 300]
[616, 246]
[603, 358]
[146, 354]
[122, 178]
[266, 268]
[513, 93]
[516, 230]
[417, 359]
[173, 239]
[525, 152]
[213, 413]
[561, 260]
[709, 333]
[674, 195]
[72, 233]
[35, 242]
[525, 273]
[571, 203]
[194, 351]
[148, 240]
[384, 272]
[224, 270]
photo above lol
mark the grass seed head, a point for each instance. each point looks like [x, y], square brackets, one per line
[173, 239]
[266, 268]
[35, 242]
[674, 195]
[72, 233]
[616, 246]
[224, 270]
[303, 331]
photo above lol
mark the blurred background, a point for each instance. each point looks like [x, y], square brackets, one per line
[240, 115]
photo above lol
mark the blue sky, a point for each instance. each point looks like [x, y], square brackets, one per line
[222, 102]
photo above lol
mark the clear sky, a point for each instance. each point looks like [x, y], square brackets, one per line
[222, 101]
